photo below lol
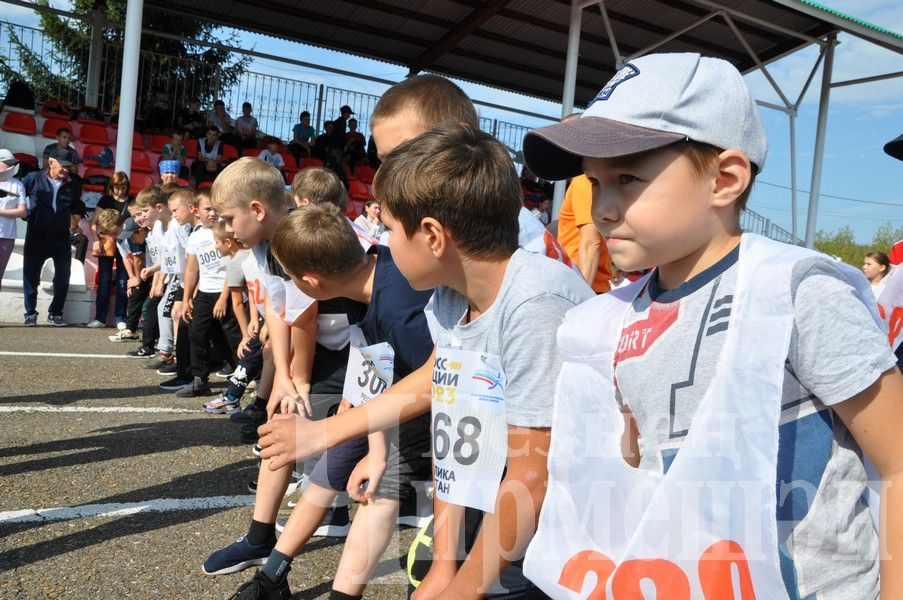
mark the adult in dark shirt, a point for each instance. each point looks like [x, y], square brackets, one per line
[337, 143]
[191, 121]
[54, 198]
[321, 144]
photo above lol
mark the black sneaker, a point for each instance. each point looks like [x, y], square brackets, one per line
[249, 414]
[56, 320]
[249, 433]
[141, 352]
[169, 369]
[158, 363]
[252, 485]
[197, 387]
[261, 588]
[31, 320]
[176, 383]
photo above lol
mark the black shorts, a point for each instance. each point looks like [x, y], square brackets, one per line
[174, 295]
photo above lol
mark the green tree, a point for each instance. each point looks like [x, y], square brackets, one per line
[885, 236]
[841, 244]
[57, 66]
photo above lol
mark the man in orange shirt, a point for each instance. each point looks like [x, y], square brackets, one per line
[578, 235]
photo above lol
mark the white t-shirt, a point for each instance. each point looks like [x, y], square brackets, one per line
[155, 244]
[15, 199]
[211, 266]
[274, 159]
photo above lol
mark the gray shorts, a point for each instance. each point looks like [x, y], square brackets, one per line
[408, 460]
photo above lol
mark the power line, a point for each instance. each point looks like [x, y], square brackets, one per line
[785, 187]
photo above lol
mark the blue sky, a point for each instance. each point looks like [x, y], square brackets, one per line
[862, 118]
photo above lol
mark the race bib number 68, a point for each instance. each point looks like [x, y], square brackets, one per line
[470, 434]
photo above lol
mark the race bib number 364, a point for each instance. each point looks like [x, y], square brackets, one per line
[470, 433]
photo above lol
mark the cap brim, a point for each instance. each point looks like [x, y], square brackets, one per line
[62, 162]
[557, 151]
[895, 148]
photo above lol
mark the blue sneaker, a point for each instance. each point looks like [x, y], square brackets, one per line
[237, 556]
[31, 320]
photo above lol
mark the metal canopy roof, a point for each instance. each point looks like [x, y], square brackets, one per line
[521, 45]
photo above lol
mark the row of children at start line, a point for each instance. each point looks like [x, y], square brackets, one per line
[726, 427]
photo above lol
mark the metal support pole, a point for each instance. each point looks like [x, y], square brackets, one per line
[319, 124]
[619, 61]
[128, 88]
[570, 87]
[95, 55]
[817, 160]
[793, 202]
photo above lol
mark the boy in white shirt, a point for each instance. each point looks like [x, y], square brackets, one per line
[205, 303]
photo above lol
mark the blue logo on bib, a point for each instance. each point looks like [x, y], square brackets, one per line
[628, 71]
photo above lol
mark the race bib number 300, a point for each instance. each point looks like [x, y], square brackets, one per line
[369, 373]
[470, 432]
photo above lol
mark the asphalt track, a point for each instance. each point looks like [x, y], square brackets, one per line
[112, 488]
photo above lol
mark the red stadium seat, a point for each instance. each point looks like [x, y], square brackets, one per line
[290, 163]
[97, 173]
[30, 159]
[230, 153]
[359, 191]
[141, 162]
[205, 185]
[310, 161]
[139, 181]
[192, 147]
[158, 141]
[92, 133]
[17, 122]
[52, 124]
[365, 173]
[254, 152]
[49, 105]
[91, 150]
[137, 141]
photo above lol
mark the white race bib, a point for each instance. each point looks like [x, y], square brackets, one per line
[370, 369]
[470, 431]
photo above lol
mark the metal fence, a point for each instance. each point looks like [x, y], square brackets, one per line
[334, 98]
[277, 101]
[753, 222]
[63, 70]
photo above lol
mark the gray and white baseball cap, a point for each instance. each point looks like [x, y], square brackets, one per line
[651, 102]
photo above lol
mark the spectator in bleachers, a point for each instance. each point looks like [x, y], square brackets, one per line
[541, 211]
[355, 145]
[246, 126]
[370, 221]
[63, 143]
[321, 144]
[372, 154]
[169, 172]
[13, 205]
[271, 155]
[210, 156]
[176, 150]
[190, 121]
[54, 200]
[302, 137]
[220, 119]
[158, 114]
[339, 129]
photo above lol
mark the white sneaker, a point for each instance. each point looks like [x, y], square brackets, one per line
[123, 335]
[95, 324]
[120, 325]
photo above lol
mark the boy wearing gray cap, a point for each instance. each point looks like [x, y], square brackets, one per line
[713, 422]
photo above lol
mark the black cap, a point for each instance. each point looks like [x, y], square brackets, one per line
[61, 156]
[346, 109]
[128, 228]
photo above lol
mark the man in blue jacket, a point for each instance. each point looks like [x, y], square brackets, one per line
[53, 198]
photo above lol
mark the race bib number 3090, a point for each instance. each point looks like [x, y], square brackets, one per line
[470, 432]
